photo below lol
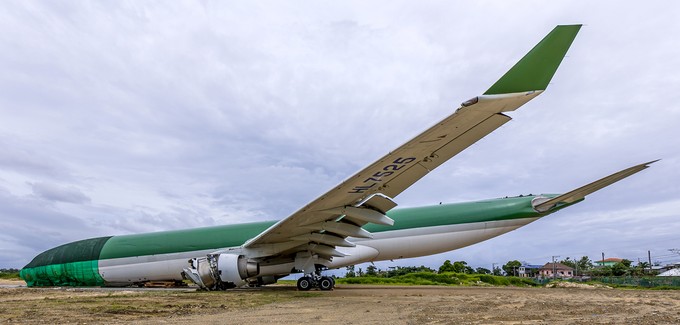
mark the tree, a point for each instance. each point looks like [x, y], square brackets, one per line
[626, 262]
[639, 269]
[371, 270]
[461, 267]
[350, 272]
[619, 269]
[511, 267]
[457, 267]
[423, 268]
[568, 262]
[446, 267]
[580, 266]
[497, 271]
[481, 270]
[402, 270]
[602, 271]
[584, 263]
[622, 268]
[643, 265]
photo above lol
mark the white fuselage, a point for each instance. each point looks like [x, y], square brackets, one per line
[386, 245]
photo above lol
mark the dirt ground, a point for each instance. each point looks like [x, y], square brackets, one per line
[347, 304]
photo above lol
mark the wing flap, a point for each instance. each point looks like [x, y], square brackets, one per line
[380, 203]
[362, 215]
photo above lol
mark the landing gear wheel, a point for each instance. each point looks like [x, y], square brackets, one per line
[326, 283]
[304, 283]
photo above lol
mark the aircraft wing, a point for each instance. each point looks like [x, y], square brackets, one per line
[322, 225]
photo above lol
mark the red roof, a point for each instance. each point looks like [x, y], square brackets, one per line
[611, 259]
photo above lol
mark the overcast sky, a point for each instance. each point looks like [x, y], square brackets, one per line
[130, 117]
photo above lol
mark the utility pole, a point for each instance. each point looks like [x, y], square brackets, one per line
[649, 256]
[602, 264]
[575, 267]
[554, 267]
[493, 268]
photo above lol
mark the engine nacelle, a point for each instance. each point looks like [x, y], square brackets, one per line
[234, 269]
[221, 271]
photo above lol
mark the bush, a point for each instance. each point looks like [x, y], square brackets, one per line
[433, 278]
[11, 274]
[446, 278]
[490, 279]
[521, 282]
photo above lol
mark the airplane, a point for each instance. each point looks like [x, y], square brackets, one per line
[354, 222]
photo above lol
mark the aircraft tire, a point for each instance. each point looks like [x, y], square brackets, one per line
[326, 283]
[304, 283]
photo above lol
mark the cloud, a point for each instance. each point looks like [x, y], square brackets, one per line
[133, 117]
[53, 192]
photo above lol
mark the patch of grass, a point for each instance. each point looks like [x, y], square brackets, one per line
[368, 280]
[664, 288]
[447, 279]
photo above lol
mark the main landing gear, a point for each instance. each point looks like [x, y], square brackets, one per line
[315, 280]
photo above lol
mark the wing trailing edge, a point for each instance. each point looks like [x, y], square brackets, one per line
[545, 204]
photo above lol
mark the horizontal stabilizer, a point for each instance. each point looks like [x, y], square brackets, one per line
[581, 192]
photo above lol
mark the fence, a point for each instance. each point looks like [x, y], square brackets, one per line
[646, 282]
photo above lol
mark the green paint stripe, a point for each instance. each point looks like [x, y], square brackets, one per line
[535, 70]
[235, 235]
[186, 240]
[459, 213]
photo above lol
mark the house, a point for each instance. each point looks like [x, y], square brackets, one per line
[662, 269]
[671, 272]
[528, 270]
[558, 270]
[608, 261]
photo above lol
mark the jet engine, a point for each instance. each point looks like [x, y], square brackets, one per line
[221, 271]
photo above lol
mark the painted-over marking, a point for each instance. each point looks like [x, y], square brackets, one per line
[382, 174]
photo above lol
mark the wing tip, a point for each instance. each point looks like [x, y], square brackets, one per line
[651, 162]
[535, 70]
